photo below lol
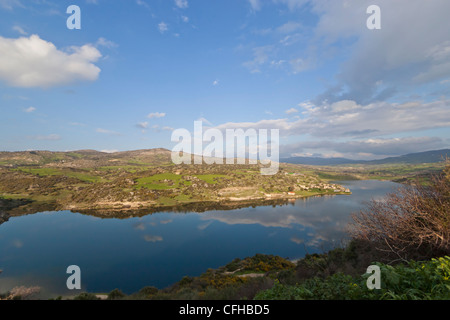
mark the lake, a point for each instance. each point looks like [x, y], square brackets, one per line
[160, 248]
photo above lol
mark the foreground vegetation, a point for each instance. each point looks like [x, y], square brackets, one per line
[427, 280]
[336, 275]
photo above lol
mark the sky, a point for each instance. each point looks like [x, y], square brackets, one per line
[139, 69]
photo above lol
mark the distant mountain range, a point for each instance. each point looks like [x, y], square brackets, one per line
[412, 158]
[92, 158]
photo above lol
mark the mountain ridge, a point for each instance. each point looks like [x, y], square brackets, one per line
[432, 156]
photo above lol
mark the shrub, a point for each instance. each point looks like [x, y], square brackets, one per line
[417, 280]
[411, 223]
[116, 294]
[148, 291]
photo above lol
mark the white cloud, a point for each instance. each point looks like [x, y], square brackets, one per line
[291, 111]
[365, 148]
[20, 30]
[255, 4]
[106, 43]
[142, 3]
[215, 82]
[163, 27]
[33, 62]
[156, 115]
[289, 27]
[260, 57]
[182, 4]
[30, 110]
[142, 125]
[105, 131]
[299, 65]
[10, 4]
[347, 119]
[401, 56]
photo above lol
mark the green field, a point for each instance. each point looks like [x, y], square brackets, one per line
[163, 181]
[80, 175]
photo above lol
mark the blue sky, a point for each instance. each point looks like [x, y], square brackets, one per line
[138, 69]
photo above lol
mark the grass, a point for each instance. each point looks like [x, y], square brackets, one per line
[156, 182]
[183, 198]
[43, 172]
[335, 176]
[127, 168]
[211, 178]
[307, 193]
[38, 198]
[75, 155]
[167, 201]
[137, 162]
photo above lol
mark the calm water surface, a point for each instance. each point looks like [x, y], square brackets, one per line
[159, 249]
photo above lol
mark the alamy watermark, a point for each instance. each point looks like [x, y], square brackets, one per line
[374, 21]
[236, 146]
[74, 21]
[74, 281]
[374, 280]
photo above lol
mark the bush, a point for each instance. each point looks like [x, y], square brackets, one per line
[352, 260]
[417, 280]
[412, 223]
[148, 291]
[116, 294]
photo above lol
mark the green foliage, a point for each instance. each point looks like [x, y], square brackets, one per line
[162, 181]
[116, 294]
[417, 281]
[336, 176]
[43, 172]
[265, 263]
[148, 291]
[414, 281]
[233, 265]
